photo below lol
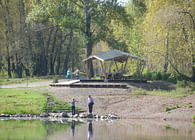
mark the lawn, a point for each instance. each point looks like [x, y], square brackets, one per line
[8, 81]
[31, 100]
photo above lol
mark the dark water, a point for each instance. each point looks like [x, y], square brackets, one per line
[95, 130]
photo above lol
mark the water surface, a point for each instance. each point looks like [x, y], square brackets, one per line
[95, 130]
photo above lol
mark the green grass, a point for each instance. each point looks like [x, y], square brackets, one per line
[58, 106]
[22, 101]
[31, 100]
[8, 81]
[189, 106]
[167, 109]
[179, 92]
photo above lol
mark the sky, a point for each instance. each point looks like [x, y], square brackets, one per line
[123, 1]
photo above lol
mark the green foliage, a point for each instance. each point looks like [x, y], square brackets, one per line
[167, 109]
[184, 83]
[55, 80]
[189, 106]
[152, 75]
[193, 117]
[167, 33]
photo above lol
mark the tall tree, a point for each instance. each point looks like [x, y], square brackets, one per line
[91, 17]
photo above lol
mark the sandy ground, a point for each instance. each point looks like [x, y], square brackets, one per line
[126, 105]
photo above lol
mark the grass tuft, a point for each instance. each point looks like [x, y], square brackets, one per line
[177, 93]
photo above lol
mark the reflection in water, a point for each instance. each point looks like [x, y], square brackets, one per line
[100, 130]
[90, 130]
[73, 127]
[29, 129]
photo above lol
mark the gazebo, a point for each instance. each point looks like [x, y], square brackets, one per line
[115, 56]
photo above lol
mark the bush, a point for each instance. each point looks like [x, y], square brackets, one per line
[165, 76]
[172, 79]
[184, 83]
[154, 76]
[189, 106]
[55, 80]
[148, 75]
[158, 76]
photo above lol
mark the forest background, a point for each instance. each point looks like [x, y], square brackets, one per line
[48, 37]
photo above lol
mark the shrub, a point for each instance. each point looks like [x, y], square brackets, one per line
[148, 75]
[172, 79]
[55, 80]
[189, 106]
[167, 109]
[184, 83]
[171, 108]
[193, 117]
[165, 76]
[158, 76]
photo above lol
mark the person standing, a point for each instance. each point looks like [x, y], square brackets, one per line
[90, 104]
[68, 74]
[73, 106]
[77, 72]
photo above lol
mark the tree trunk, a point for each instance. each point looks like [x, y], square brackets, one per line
[167, 54]
[8, 67]
[88, 34]
[52, 54]
[58, 65]
[41, 61]
[18, 67]
[7, 31]
[66, 61]
[58, 50]
[47, 49]
[193, 68]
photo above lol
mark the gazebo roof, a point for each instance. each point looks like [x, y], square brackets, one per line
[115, 55]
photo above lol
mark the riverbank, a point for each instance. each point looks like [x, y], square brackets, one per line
[133, 103]
[156, 100]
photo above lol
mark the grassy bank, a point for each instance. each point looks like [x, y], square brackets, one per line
[178, 92]
[31, 100]
[8, 81]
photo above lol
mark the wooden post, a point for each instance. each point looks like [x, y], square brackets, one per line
[125, 65]
[102, 67]
[116, 66]
[87, 70]
[122, 68]
[138, 69]
[105, 75]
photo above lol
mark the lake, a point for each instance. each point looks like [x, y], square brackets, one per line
[70, 129]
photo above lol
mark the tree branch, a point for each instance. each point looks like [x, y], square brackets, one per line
[80, 6]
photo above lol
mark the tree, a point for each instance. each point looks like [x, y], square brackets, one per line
[169, 36]
[91, 17]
